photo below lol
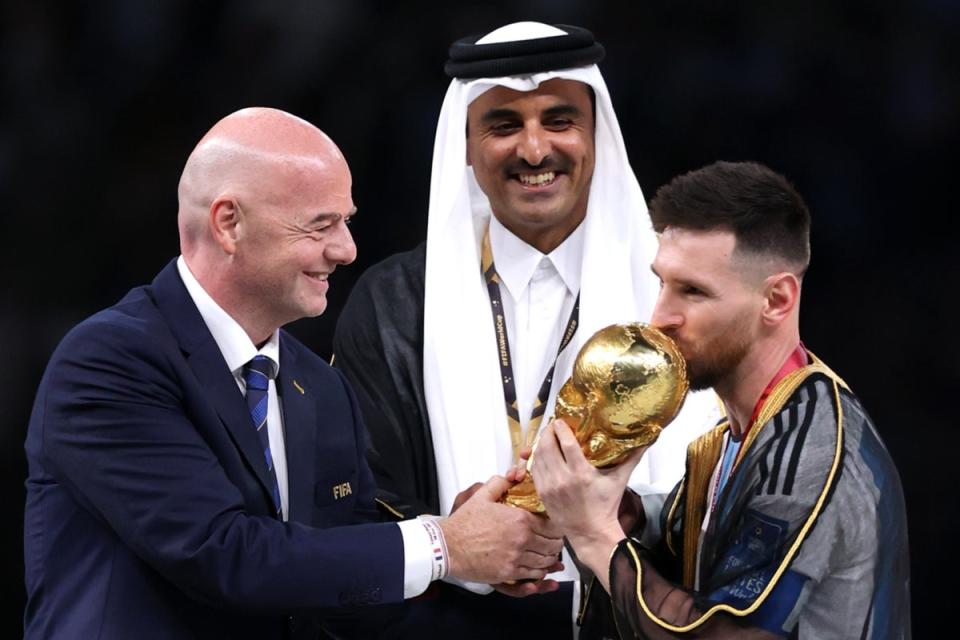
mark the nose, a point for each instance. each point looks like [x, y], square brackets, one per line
[534, 144]
[666, 316]
[341, 249]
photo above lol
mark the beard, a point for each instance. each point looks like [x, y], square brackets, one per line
[714, 359]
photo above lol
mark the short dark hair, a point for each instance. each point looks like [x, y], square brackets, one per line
[762, 209]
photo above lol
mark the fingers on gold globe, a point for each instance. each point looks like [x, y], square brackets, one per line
[629, 381]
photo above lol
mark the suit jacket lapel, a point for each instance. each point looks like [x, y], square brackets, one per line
[299, 404]
[204, 357]
[223, 393]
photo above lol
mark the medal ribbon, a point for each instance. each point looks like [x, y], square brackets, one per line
[506, 366]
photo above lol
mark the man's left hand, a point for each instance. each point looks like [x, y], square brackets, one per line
[581, 499]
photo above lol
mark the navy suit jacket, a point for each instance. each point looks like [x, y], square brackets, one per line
[148, 511]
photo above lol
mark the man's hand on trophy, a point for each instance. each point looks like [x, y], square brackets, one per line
[583, 500]
[495, 543]
[518, 471]
[526, 588]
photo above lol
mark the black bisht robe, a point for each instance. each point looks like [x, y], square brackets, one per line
[379, 346]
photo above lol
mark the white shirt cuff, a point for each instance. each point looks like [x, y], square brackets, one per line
[424, 555]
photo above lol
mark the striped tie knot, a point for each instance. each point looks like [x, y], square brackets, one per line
[257, 373]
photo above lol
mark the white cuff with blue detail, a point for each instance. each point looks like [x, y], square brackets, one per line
[425, 556]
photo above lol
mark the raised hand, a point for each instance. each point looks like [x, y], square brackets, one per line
[582, 500]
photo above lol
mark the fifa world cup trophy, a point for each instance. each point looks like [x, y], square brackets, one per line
[629, 381]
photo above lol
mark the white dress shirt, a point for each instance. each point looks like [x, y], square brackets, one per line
[237, 349]
[538, 293]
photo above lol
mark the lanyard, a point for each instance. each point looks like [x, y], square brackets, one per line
[506, 365]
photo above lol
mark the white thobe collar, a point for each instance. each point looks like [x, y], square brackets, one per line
[517, 261]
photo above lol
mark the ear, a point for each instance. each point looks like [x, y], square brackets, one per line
[782, 297]
[225, 219]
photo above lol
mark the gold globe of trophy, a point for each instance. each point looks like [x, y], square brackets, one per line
[629, 381]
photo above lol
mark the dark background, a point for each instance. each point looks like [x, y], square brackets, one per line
[856, 102]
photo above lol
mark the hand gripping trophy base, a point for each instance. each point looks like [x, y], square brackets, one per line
[629, 381]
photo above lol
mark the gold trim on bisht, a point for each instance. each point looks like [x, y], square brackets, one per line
[702, 457]
[671, 514]
[694, 474]
[585, 600]
[777, 398]
[780, 394]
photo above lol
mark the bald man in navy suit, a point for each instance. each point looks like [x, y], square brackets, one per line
[162, 502]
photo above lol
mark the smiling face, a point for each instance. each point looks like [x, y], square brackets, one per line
[706, 304]
[264, 203]
[295, 235]
[533, 156]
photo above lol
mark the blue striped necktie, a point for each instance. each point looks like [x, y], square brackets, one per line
[257, 374]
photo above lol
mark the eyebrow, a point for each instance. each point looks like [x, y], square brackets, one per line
[558, 110]
[685, 281]
[496, 114]
[330, 215]
[563, 110]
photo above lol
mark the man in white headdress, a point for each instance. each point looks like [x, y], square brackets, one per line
[538, 236]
